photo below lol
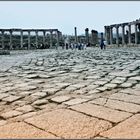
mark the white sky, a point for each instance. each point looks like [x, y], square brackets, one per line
[67, 15]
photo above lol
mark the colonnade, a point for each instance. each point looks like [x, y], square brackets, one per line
[36, 31]
[93, 39]
[109, 32]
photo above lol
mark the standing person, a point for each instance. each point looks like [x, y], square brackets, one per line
[102, 44]
[85, 46]
[105, 44]
[67, 46]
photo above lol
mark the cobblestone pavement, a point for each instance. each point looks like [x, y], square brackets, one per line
[70, 94]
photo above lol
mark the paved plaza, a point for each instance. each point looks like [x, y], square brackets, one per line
[62, 94]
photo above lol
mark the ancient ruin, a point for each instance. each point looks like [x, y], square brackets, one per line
[126, 38]
[9, 45]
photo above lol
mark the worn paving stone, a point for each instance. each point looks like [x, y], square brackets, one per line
[102, 88]
[50, 91]
[99, 101]
[112, 115]
[137, 78]
[2, 122]
[128, 107]
[10, 114]
[3, 95]
[28, 88]
[131, 91]
[111, 86]
[60, 99]
[126, 85]
[25, 108]
[78, 125]
[75, 101]
[11, 98]
[125, 97]
[22, 130]
[128, 129]
[40, 102]
[40, 94]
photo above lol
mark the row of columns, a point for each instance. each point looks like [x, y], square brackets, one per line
[109, 33]
[94, 36]
[29, 41]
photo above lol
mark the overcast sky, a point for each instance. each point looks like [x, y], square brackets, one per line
[67, 15]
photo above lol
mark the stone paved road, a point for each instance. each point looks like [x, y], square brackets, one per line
[70, 94]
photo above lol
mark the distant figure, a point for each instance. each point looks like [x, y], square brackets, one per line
[102, 45]
[67, 46]
[105, 44]
[85, 46]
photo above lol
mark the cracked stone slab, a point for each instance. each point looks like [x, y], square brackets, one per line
[128, 107]
[125, 97]
[131, 91]
[126, 85]
[10, 114]
[22, 130]
[75, 101]
[128, 129]
[25, 108]
[78, 125]
[2, 122]
[11, 98]
[99, 101]
[3, 95]
[40, 94]
[40, 102]
[60, 99]
[102, 112]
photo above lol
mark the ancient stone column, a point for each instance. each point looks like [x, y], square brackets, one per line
[75, 31]
[108, 34]
[111, 36]
[29, 41]
[123, 33]
[21, 39]
[44, 33]
[136, 34]
[36, 39]
[129, 34]
[117, 34]
[57, 37]
[105, 28]
[11, 39]
[51, 38]
[2, 39]
[87, 35]
[92, 36]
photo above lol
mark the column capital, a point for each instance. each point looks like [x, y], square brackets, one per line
[86, 29]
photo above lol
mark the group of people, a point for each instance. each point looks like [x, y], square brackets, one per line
[82, 46]
[79, 46]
